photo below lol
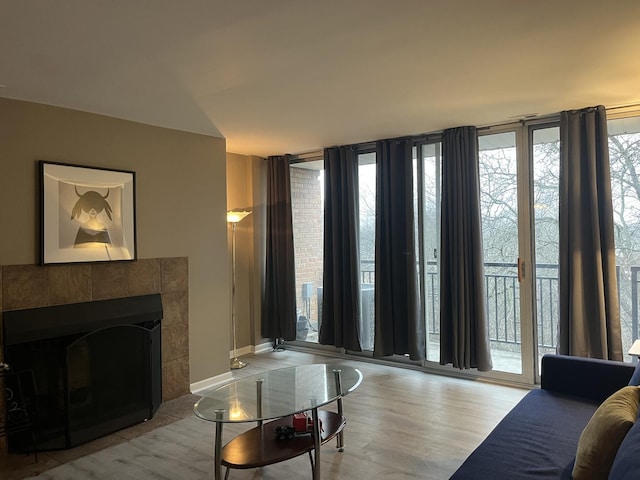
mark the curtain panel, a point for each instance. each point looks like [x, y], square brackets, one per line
[398, 328]
[589, 322]
[464, 334]
[279, 302]
[341, 262]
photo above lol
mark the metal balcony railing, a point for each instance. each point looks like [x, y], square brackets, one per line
[502, 300]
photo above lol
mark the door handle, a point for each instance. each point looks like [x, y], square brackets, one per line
[520, 270]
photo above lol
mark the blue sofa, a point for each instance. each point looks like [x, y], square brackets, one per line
[538, 438]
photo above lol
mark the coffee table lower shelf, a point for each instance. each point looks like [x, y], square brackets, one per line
[259, 446]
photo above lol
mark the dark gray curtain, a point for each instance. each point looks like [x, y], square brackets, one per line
[341, 263]
[464, 334]
[279, 303]
[589, 324]
[399, 329]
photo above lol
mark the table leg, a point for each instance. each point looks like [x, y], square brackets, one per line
[259, 383]
[338, 377]
[316, 444]
[340, 436]
[217, 454]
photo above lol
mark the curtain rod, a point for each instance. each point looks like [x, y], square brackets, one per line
[307, 156]
[319, 154]
[630, 106]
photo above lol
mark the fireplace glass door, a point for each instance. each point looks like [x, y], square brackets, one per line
[108, 375]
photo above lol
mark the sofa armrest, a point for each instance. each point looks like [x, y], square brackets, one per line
[590, 378]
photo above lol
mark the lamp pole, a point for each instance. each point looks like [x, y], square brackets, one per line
[234, 217]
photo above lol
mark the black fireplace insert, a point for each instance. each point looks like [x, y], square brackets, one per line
[97, 367]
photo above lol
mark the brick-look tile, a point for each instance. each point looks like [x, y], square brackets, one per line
[24, 286]
[69, 283]
[175, 379]
[175, 306]
[175, 274]
[144, 276]
[175, 343]
[109, 280]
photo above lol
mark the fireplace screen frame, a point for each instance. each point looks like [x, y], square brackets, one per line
[42, 339]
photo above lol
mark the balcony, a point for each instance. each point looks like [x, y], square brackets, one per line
[502, 297]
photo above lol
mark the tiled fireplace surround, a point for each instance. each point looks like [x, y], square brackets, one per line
[31, 286]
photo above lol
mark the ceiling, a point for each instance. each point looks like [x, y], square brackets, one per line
[293, 76]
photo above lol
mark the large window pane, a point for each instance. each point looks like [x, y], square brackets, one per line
[307, 202]
[431, 188]
[499, 211]
[367, 199]
[624, 154]
[546, 207]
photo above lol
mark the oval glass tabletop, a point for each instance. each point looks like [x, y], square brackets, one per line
[277, 393]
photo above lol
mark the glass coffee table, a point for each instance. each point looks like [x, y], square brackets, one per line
[271, 399]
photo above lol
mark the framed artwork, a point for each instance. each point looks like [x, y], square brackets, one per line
[87, 214]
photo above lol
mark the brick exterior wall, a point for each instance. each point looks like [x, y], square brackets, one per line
[307, 209]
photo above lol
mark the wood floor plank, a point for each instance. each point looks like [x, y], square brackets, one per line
[401, 424]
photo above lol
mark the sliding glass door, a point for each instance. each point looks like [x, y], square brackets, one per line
[624, 154]
[519, 202]
[545, 206]
[498, 169]
[518, 168]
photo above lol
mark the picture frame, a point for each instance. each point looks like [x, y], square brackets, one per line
[87, 214]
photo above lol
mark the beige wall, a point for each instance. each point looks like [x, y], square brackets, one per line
[181, 202]
[246, 189]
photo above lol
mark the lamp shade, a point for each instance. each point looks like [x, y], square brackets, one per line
[234, 216]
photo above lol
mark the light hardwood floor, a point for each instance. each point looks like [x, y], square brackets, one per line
[401, 424]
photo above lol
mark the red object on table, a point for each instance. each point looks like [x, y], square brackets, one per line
[302, 422]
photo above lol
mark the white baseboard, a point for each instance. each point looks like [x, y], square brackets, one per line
[241, 351]
[210, 383]
[213, 382]
[262, 347]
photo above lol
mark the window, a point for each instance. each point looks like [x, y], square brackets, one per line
[519, 188]
[429, 226]
[546, 209]
[307, 201]
[499, 214]
[624, 155]
[367, 201]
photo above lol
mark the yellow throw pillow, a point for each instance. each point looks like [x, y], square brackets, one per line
[604, 433]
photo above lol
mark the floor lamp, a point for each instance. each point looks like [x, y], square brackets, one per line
[234, 217]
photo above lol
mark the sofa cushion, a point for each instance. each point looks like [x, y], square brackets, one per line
[626, 465]
[592, 378]
[601, 438]
[537, 439]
